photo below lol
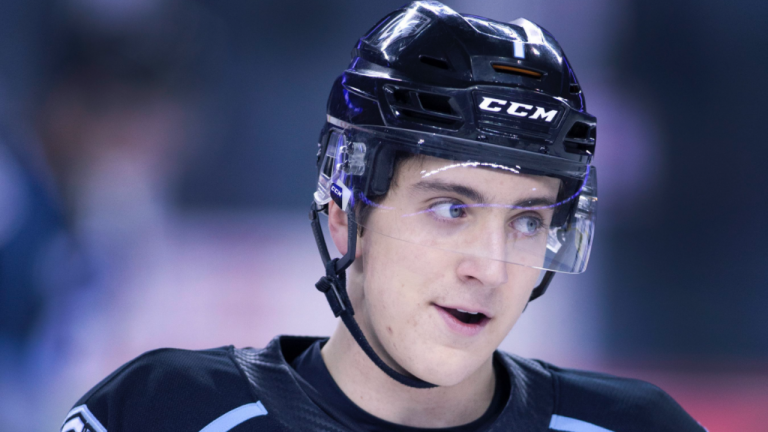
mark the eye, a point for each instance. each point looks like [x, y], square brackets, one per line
[448, 210]
[527, 225]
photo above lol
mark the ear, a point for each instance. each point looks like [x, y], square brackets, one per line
[338, 226]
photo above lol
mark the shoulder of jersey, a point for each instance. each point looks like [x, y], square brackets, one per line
[169, 390]
[598, 402]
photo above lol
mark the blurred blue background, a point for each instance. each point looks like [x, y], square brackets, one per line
[157, 163]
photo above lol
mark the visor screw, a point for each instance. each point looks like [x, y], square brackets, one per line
[543, 150]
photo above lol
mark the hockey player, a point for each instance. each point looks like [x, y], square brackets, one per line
[454, 168]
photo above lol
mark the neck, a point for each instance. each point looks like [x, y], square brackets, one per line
[378, 394]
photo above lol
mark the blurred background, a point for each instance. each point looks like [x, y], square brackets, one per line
[157, 163]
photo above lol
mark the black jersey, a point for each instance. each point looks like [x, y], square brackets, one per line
[326, 394]
[240, 390]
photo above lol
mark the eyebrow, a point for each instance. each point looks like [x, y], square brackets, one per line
[465, 191]
[478, 198]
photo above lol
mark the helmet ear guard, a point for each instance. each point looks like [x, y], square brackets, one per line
[381, 176]
[563, 212]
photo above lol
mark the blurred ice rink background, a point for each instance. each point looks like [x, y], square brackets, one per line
[157, 163]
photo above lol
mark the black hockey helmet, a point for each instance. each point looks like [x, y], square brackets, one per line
[468, 95]
[428, 68]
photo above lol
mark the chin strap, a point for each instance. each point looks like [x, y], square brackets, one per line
[542, 288]
[334, 286]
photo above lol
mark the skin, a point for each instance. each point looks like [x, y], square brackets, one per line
[396, 286]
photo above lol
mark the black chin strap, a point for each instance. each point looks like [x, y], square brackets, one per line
[334, 286]
[542, 288]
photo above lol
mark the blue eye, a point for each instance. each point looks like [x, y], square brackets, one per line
[528, 225]
[449, 210]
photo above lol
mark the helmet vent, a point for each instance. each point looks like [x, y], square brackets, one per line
[575, 88]
[579, 130]
[435, 62]
[424, 108]
[581, 139]
[402, 96]
[436, 103]
[514, 70]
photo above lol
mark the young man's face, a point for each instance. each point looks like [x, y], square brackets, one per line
[441, 242]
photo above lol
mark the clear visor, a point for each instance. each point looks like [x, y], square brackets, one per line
[446, 194]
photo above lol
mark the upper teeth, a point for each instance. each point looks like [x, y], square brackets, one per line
[468, 312]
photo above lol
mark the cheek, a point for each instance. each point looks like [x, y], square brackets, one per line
[400, 280]
[403, 279]
[515, 295]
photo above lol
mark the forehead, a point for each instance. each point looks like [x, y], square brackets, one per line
[496, 181]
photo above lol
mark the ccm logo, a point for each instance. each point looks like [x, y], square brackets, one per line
[336, 190]
[517, 109]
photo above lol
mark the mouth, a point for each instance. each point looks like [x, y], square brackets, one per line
[465, 316]
[463, 321]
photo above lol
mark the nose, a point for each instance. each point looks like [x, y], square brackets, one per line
[488, 272]
[485, 262]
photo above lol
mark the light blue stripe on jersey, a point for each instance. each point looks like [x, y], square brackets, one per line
[567, 424]
[235, 417]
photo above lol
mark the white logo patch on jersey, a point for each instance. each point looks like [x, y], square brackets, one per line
[80, 419]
